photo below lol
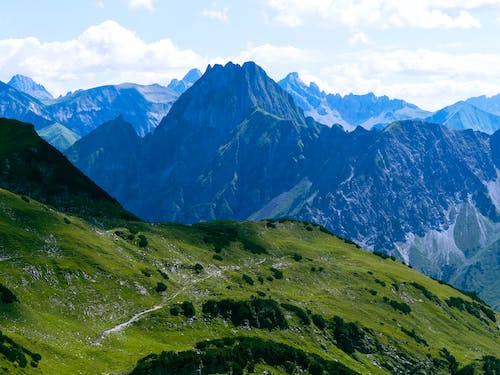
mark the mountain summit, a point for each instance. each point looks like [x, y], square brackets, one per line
[30, 87]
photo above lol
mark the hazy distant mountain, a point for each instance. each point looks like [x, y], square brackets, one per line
[30, 87]
[235, 145]
[58, 136]
[350, 110]
[18, 105]
[189, 79]
[82, 111]
[142, 106]
[463, 115]
[489, 104]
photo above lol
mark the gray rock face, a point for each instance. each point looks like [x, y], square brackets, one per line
[30, 87]
[236, 146]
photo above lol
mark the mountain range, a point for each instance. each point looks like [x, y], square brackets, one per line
[237, 146]
[350, 110]
[78, 113]
[93, 292]
[145, 106]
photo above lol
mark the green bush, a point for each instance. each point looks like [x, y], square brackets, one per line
[233, 355]
[413, 335]
[6, 296]
[319, 321]
[163, 275]
[198, 268]
[143, 241]
[175, 310]
[188, 309]
[16, 353]
[258, 313]
[160, 287]
[427, 294]
[400, 306]
[491, 365]
[348, 336]
[301, 314]
[472, 308]
[247, 279]
[276, 273]
[297, 257]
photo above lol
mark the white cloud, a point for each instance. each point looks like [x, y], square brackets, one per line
[100, 4]
[427, 14]
[276, 60]
[136, 4]
[428, 78]
[102, 54]
[358, 38]
[216, 14]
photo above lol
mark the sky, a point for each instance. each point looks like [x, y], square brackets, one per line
[429, 52]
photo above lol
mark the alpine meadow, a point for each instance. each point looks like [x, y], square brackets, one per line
[259, 187]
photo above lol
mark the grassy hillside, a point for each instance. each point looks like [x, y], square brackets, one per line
[283, 295]
[31, 167]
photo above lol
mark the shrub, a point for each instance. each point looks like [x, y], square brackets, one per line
[198, 268]
[163, 275]
[380, 282]
[217, 257]
[247, 279]
[491, 365]
[413, 335]
[319, 321]
[472, 308]
[160, 287]
[16, 353]
[143, 241]
[401, 306]
[258, 313]
[175, 310]
[188, 309]
[348, 336]
[6, 296]
[301, 314]
[146, 273]
[233, 354]
[260, 279]
[276, 273]
[427, 294]
[297, 257]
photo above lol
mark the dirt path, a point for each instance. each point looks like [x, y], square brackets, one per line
[138, 316]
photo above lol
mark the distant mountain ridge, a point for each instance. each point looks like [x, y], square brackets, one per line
[464, 115]
[144, 106]
[350, 110]
[235, 145]
[30, 87]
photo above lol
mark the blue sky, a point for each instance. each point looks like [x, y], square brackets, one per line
[431, 53]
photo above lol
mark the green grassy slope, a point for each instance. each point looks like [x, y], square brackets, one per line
[74, 281]
[30, 166]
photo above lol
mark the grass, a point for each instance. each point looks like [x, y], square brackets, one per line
[75, 280]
